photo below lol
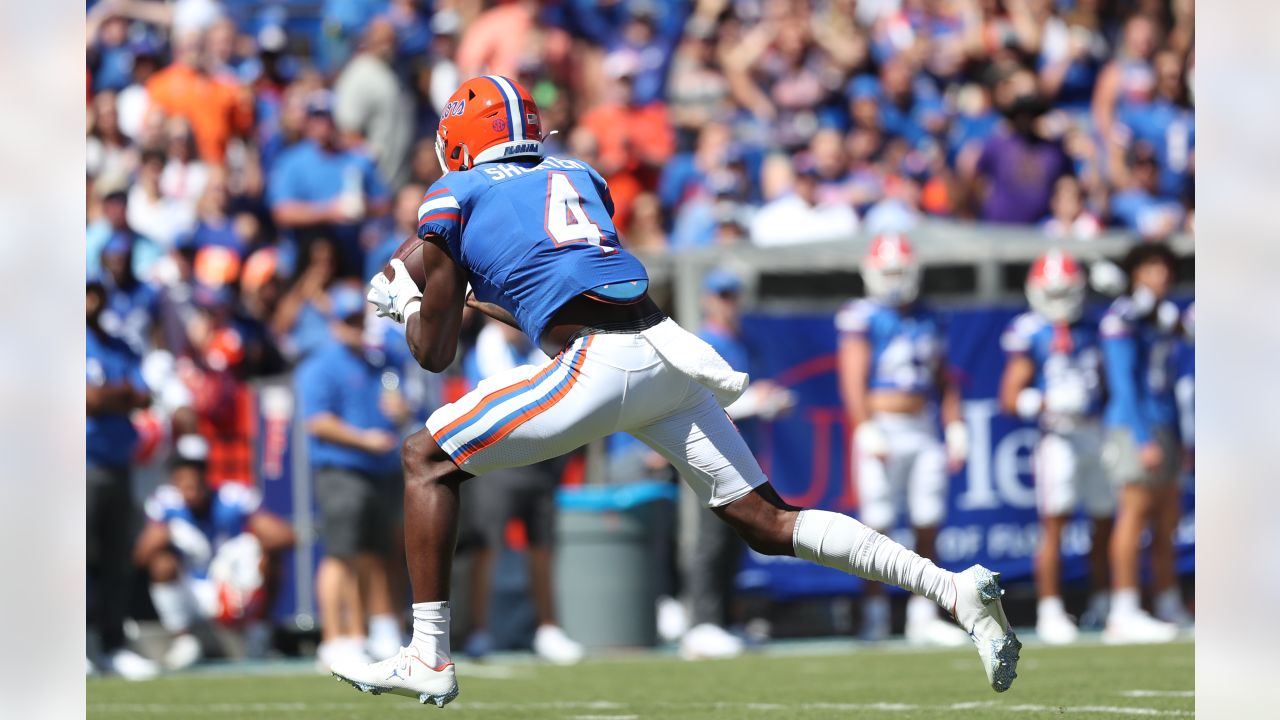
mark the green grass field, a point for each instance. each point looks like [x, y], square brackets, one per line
[795, 680]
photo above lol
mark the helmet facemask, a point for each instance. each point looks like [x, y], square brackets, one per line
[1060, 300]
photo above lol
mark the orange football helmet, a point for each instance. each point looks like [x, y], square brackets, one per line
[488, 118]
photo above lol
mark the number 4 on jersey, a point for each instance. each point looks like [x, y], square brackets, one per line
[566, 221]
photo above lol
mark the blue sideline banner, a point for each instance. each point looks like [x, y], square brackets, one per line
[991, 511]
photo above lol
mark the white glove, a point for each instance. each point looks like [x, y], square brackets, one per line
[956, 438]
[1168, 316]
[870, 439]
[1029, 403]
[1107, 278]
[1066, 397]
[396, 299]
[192, 543]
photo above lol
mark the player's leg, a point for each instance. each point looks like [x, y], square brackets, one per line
[175, 607]
[716, 553]
[1164, 560]
[517, 418]
[701, 442]
[1055, 468]
[536, 506]
[1099, 500]
[879, 503]
[375, 574]
[1126, 621]
[341, 496]
[926, 509]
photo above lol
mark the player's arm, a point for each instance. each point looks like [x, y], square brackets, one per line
[1019, 371]
[853, 368]
[153, 539]
[497, 312]
[273, 533]
[433, 330]
[949, 396]
[114, 399]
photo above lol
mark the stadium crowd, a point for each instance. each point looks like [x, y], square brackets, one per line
[250, 163]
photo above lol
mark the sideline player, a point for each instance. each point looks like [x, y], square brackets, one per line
[1054, 376]
[892, 367]
[532, 235]
[1140, 446]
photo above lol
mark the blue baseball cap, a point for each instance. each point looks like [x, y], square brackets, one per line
[863, 86]
[721, 281]
[345, 302]
[118, 244]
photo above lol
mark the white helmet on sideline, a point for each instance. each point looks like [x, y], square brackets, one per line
[890, 270]
[1056, 287]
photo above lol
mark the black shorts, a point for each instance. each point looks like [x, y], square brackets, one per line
[356, 514]
[528, 493]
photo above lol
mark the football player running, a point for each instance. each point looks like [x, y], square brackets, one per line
[533, 237]
[1053, 377]
[892, 369]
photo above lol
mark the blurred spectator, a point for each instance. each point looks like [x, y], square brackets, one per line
[1128, 78]
[525, 493]
[114, 389]
[634, 140]
[109, 152]
[184, 175]
[216, 108]
[317, 189]
[645, 233]
[343, 21]
[411, 20]
[717, 552]
[352, 408]
[114, 225]
[503, 37]
[371, 105]
[1137, 205]
[696, 88]
[211, 556]
[301, 318]
[1017, 169]
[402, 225]
[151, 211]
[1166, 123]
[800, 216]
[445, 76]
[129, 309]
[1068, 216]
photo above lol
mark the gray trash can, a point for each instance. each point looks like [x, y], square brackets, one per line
[605, 580]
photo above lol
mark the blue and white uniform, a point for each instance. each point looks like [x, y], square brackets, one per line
[908, 350]
[230, 507]
[1068, 363]
[1139, 356]
[530, 236]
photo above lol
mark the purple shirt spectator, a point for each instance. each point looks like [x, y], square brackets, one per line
[1020, 172]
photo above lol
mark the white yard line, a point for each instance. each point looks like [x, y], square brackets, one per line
[1159, 693]
[886, 707]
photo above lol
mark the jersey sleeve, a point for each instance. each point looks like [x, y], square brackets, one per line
[602, 188]
[1016, 339]
[240, 498]
[164, 504]
[854, 318]
[440, 213]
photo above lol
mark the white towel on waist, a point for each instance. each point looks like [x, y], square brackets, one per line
[692, 356]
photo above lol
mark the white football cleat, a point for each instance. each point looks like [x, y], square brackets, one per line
[978, 610]
[1056, 629]
[130, 665]
[551, 644]
[405, 673]
[1137, 627]
[707, 641]
[183, 652]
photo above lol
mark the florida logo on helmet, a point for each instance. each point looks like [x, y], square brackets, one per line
[488, 118]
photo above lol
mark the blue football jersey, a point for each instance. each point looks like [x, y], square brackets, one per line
[907, 349]
[1074, 358]
[530, 235]
[229, 509]
[1139, 358]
